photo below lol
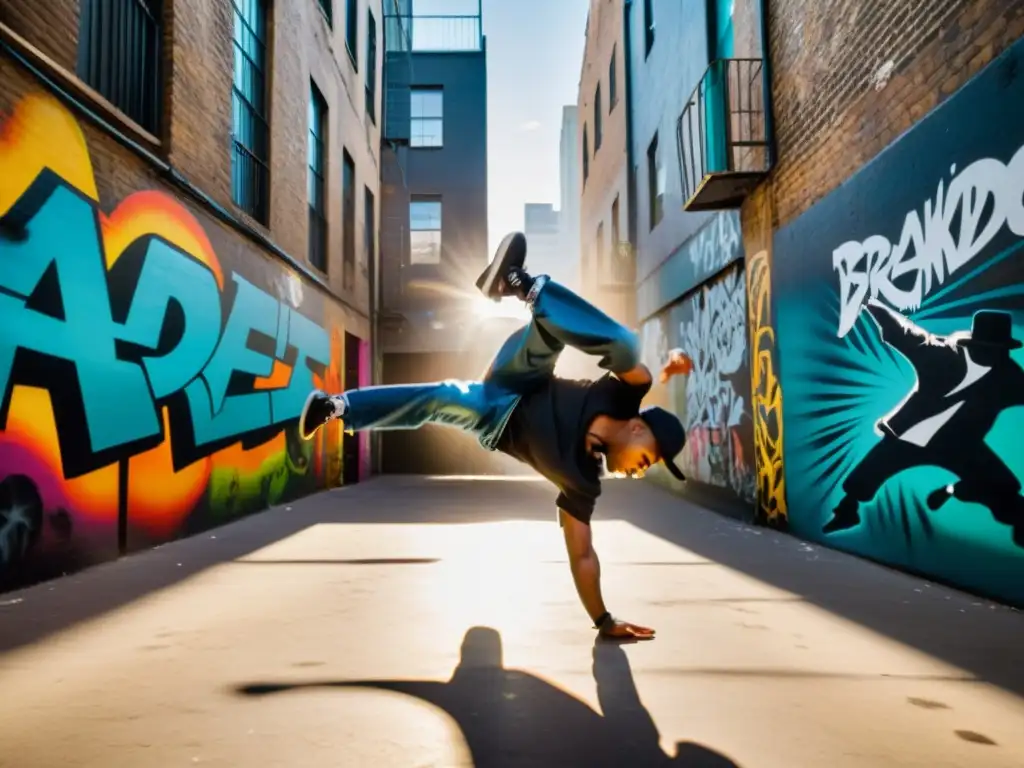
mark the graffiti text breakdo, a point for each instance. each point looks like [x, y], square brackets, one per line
[983, 197]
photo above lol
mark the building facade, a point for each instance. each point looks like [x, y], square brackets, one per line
[188, 207]
[434, 227]
[543, 229]
[606, 208]
[875, 178]
[691, 288]
[569, 194]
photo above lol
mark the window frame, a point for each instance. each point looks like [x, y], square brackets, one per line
[316, 178]
[586, 156]
[250, 191]
[369, 226]
[327, 10]
[613, 80]
[655, 199]
[648, 27]
[370, 77]
[422, 119]
[134, 86]
[352, 31]
[423, 200]
[348, 220]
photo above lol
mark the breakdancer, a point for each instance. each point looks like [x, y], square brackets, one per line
[562, 428]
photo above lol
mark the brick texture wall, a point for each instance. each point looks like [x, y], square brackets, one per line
[197, 115]
[195, 136]
[50, 26]
[850, 76]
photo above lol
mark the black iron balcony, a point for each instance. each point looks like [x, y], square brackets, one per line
[722, 136]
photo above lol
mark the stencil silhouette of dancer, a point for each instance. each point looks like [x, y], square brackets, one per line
[964, 381]
[512, 719]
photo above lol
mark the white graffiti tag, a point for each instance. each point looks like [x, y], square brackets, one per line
[715, 339]
[715, 245]
[931, 247]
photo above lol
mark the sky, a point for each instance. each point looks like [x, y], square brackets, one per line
[534, 53]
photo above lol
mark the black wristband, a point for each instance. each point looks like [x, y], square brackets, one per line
[600, 620]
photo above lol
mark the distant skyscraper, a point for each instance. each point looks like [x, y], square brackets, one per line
[544, 250]
[569, 205]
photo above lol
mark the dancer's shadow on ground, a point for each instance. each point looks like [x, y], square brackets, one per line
[512, 718]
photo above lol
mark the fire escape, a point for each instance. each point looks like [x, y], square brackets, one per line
[723, 136]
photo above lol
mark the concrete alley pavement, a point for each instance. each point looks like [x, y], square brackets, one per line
[433, 622]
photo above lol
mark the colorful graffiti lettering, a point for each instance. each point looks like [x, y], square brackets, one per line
[904, 377]
[137, 375]
[712, 330]
[766, 394]
[712, 402]
[953, 230]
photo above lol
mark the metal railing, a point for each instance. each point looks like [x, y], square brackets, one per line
[433, 34]
[119, 55]
[722, 127]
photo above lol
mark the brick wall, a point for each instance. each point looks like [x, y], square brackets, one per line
[50, 26]
[850, 76]
[197, 115]
[195, 136]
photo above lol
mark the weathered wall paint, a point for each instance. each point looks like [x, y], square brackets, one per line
[141, 374]
[900, 305]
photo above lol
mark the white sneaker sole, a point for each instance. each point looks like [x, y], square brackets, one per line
[305, 410]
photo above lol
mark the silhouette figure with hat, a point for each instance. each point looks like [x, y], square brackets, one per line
[964, 381]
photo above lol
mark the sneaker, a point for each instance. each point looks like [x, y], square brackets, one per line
[506, 268]
[319, 409]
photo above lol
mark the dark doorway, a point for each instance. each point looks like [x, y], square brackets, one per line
[349, 442]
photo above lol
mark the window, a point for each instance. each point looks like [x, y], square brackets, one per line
[348, 220]
[648, 27]
[613, 82]
[371, 66]
[352, 31]
[425, 230]
[586, 156]
[119, 55]
[426, 117]
[326, 7]
[369, 227]
[317, 188]
[250, 173]
[615, 223]
[655, 182]
[597, 118]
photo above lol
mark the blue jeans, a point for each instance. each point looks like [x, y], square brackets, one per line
[525, 361]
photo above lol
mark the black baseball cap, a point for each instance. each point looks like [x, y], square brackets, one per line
[668, 434]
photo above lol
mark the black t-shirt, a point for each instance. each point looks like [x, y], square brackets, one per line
[548, 431]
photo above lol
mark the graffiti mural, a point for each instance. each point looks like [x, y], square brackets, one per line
[713, 402]
[712, 328]
[145, 389]
[714, 247]
[901, 321]
[766, 395]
